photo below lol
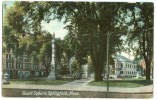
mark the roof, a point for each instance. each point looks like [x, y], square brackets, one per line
[122, 58]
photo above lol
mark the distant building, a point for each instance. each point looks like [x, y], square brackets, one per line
[124, 67]
[85, 70]
[21, 67]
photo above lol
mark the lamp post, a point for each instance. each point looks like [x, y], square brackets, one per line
[107, 60]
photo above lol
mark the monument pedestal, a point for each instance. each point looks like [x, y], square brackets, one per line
[52, 75]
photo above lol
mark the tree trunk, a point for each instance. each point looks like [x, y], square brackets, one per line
[98, 72]
[47, 71]
[97, 62]
[152, 72]
[147, 70]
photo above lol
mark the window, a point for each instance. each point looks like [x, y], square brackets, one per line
[7, 56]
[121, 72]
[28, 65]
[25, 60]
[18, 65]
[121, 65]
[12, 65]
[133, 66]
[7, 65]
[25, 65]
[21, 66]
[35, 66]
[32, 66]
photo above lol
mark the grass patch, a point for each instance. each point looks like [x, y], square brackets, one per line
[41, 82]
[123, 83]
[133, 78]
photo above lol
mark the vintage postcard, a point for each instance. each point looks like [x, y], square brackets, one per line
[77, 49]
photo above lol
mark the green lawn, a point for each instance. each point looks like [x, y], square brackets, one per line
[133, 78]
[123, 83]
[41, 82]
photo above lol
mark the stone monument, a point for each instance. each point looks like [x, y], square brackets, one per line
[6, 78]
[52, 75]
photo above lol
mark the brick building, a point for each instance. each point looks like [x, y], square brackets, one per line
[21, 67]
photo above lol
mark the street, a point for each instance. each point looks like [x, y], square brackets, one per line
[78, 87]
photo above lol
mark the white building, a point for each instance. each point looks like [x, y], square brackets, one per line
[124, 67]
[85, 70]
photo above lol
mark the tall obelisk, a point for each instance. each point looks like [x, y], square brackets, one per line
[52, 75]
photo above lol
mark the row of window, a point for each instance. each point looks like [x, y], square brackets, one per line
[24, 58]
[131, 72]
[126, 65]
[128, 72]
[22, 65]
[8, 56]
[130, 66]
[9, 65]
[27, 66]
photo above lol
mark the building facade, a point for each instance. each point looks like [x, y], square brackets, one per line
[21, 67]
[124, 67]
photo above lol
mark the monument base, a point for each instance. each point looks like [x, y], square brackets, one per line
[5, 82]
[52, 75]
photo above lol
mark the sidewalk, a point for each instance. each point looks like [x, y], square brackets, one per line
[81, 85]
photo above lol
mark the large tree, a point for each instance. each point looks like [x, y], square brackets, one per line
[22, 32]
[91, 22]
[140, 34]
[88, 22]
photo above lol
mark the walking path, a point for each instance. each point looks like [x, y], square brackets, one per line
[81, 85]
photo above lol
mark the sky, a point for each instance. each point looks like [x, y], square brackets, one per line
[55, 27]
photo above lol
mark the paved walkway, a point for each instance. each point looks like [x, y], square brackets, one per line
[81, 85]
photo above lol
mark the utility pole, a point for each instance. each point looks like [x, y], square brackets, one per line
[107, 60]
